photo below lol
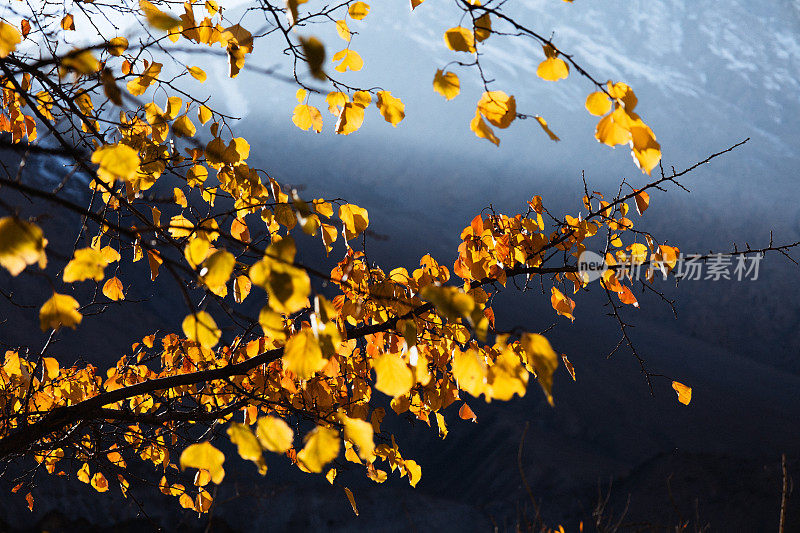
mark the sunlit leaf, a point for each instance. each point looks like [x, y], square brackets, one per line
[394, 378]
[247, 445]
[460, 39]
[21, 244]
[60, 310]
[113, 290]
[302, 354]
[447, 84]
[684, 392]
[274, 434]
[9, 39]
[321, 447]
[87, 263]
[205, 456]
[543, 358]
[201, 328]
[358, 10]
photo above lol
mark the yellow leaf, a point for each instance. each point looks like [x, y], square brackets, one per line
[355, 219]
[350, 119]
[117, 46]
[644, 148]
[684, 392]
[552, 68]
[392, 109]
[302, 354]
[343, 30]
[83, 474]
[331, 475]
[441, 425]
[203, 115]
[202, 329]
[247, 445]
[543, 123]
[116, 161]
[206, 456]
[183, 127]
[470, 372]
[217, 270]
[350, 497]
[359, 10]
[362, 98]
[507, 376]
[336, 101]
[460, 39]
[642, 201]
[197, 73]
[87, 263]
[610, 132]
[350, 60]
[482, 130]
[414, 472]
[99, 482]
[288, 287]
[157, 18]
[447, 84]
[597, 103]
[321, 447]
[359, 432]
[68, 23]
[212, 7]
[112, 289]
[315, 56]
[306, 117]
[241, 288]
[543, 358]
[415, 4]
[450, 302]
[483, 27]
[21, 244]
[272, 324]
[394, 378]
[9, 39]
[196, 251]
[60, 310]
[564, 306]
[498, 108]
[274, 434]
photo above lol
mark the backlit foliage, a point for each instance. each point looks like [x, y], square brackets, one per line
[330, 354]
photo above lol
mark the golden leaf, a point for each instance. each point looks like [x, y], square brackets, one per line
[482, 130]
[321, 447]
[87, 263]
[684, 392]
[9, 39]
[359, 432]
[359, 10]
[247, 445]
[460, 39]
[355, 219]
[498, 108]
[306, 117]
[543, 358]
[21, 244]
[201, 328]
[206, 456]
[394, 378]
[60, 310]
[274, 434]
[350, 60]
[113, 290]
[447, 84]
[302, 354]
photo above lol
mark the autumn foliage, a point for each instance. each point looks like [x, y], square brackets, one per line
[312, 377]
